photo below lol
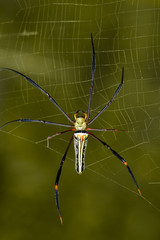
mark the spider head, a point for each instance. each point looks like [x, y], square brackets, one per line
[80, 121]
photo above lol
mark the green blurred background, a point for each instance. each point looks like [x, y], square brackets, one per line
[49, 41]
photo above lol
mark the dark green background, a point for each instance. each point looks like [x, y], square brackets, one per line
[50, 42]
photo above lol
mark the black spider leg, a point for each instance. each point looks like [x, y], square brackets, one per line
[41, 89]
[108, 104]
[120, 158]
[37, 121]
[58, 177]
[93, 70]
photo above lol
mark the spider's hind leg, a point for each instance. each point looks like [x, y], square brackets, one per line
[58, 178]
[120, 158]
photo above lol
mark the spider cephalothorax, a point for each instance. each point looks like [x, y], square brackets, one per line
[80, 121]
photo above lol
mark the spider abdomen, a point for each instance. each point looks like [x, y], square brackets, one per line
[80, 145]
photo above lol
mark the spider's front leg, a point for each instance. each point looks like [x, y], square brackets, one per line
[58, 177]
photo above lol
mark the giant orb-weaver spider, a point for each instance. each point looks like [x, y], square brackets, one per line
[79, 127]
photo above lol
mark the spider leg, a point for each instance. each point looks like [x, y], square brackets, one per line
[41, 89]
[93, 70]
[120, 158]
[58, 177]
[105, 130]
[38, 121]
[109, 103]
[56, 134]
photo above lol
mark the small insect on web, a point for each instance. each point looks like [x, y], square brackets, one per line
[80, 127]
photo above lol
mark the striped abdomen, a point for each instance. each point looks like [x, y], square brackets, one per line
[80, 145]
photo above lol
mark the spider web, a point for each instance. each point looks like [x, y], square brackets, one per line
[49, 41]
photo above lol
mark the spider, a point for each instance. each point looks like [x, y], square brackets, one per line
[80, 127]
